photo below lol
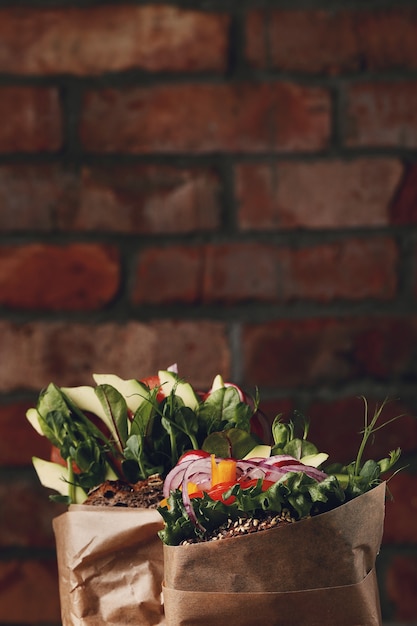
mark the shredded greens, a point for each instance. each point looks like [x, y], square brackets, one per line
[295, 492]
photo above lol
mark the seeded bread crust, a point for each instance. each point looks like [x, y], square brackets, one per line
[245, 526]
[143, 494]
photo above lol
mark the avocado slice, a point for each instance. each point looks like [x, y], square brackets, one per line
[55, 477]
[314, 460]
[259, 451]
[133, 391]
[171, 382]
[85, 399]
[218, 383]
[32, 416]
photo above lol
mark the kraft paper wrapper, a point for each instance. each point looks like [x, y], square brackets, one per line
[319, 571]
[110, 566]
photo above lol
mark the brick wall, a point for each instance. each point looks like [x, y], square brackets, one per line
[228, 184]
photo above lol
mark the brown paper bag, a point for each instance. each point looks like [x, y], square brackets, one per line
[319, 571]
[110, 565]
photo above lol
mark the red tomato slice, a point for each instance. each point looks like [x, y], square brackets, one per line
[57, 458]
[216, 492]
[266, 484]
[193, 453]
[152, 382]
[197, 494]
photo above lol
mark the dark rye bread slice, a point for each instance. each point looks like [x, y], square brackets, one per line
[143, 494]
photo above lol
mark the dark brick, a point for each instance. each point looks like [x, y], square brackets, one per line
[19, 441]
[401, 584]
[26, 513]
[34, 119]
[335, 428]
[304, 353]
[404, 206]
[240, 272]
[239, 117]
[29, 592]
[401, 509]
[332, 42]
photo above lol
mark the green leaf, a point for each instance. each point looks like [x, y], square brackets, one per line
[115, 408]
[388, 463]
[370, 473]
[280, 432]
[299, 448]
[223, 409]
[144, 415]
[136, 464]
[233, 442]
[54, 414]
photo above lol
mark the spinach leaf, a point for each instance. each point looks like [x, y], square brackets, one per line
[223, 409]
[115, 407]
[233, 442]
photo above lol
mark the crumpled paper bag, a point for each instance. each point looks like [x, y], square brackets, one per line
[316, 572]
[110, 565]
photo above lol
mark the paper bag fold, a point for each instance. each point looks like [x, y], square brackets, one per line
[350, 605]
[110, 566]
[323, 567]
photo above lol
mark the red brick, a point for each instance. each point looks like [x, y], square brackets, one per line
[335, 428]
[239, 272]
[73, 277]
[225, 273]
[323, 194]
[242, 272]
[36, 353]
[26, 517]
[93, 40]
[171, 274]
[404, 206]
[302, 41]
[19, 441]
[353, 269]
[29, 592]
[146, 199]
[34, 119]
[204, 118]
[401, 584]
[401, 510]
[386, 38]
[332, 42]
[382, 114]
[33, 196]
[302, 353]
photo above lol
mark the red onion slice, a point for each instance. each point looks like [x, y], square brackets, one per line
[198, 471]
[189, 476]
[175, 477]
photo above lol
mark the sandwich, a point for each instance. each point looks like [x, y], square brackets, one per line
[113, 444]
[207, 497]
